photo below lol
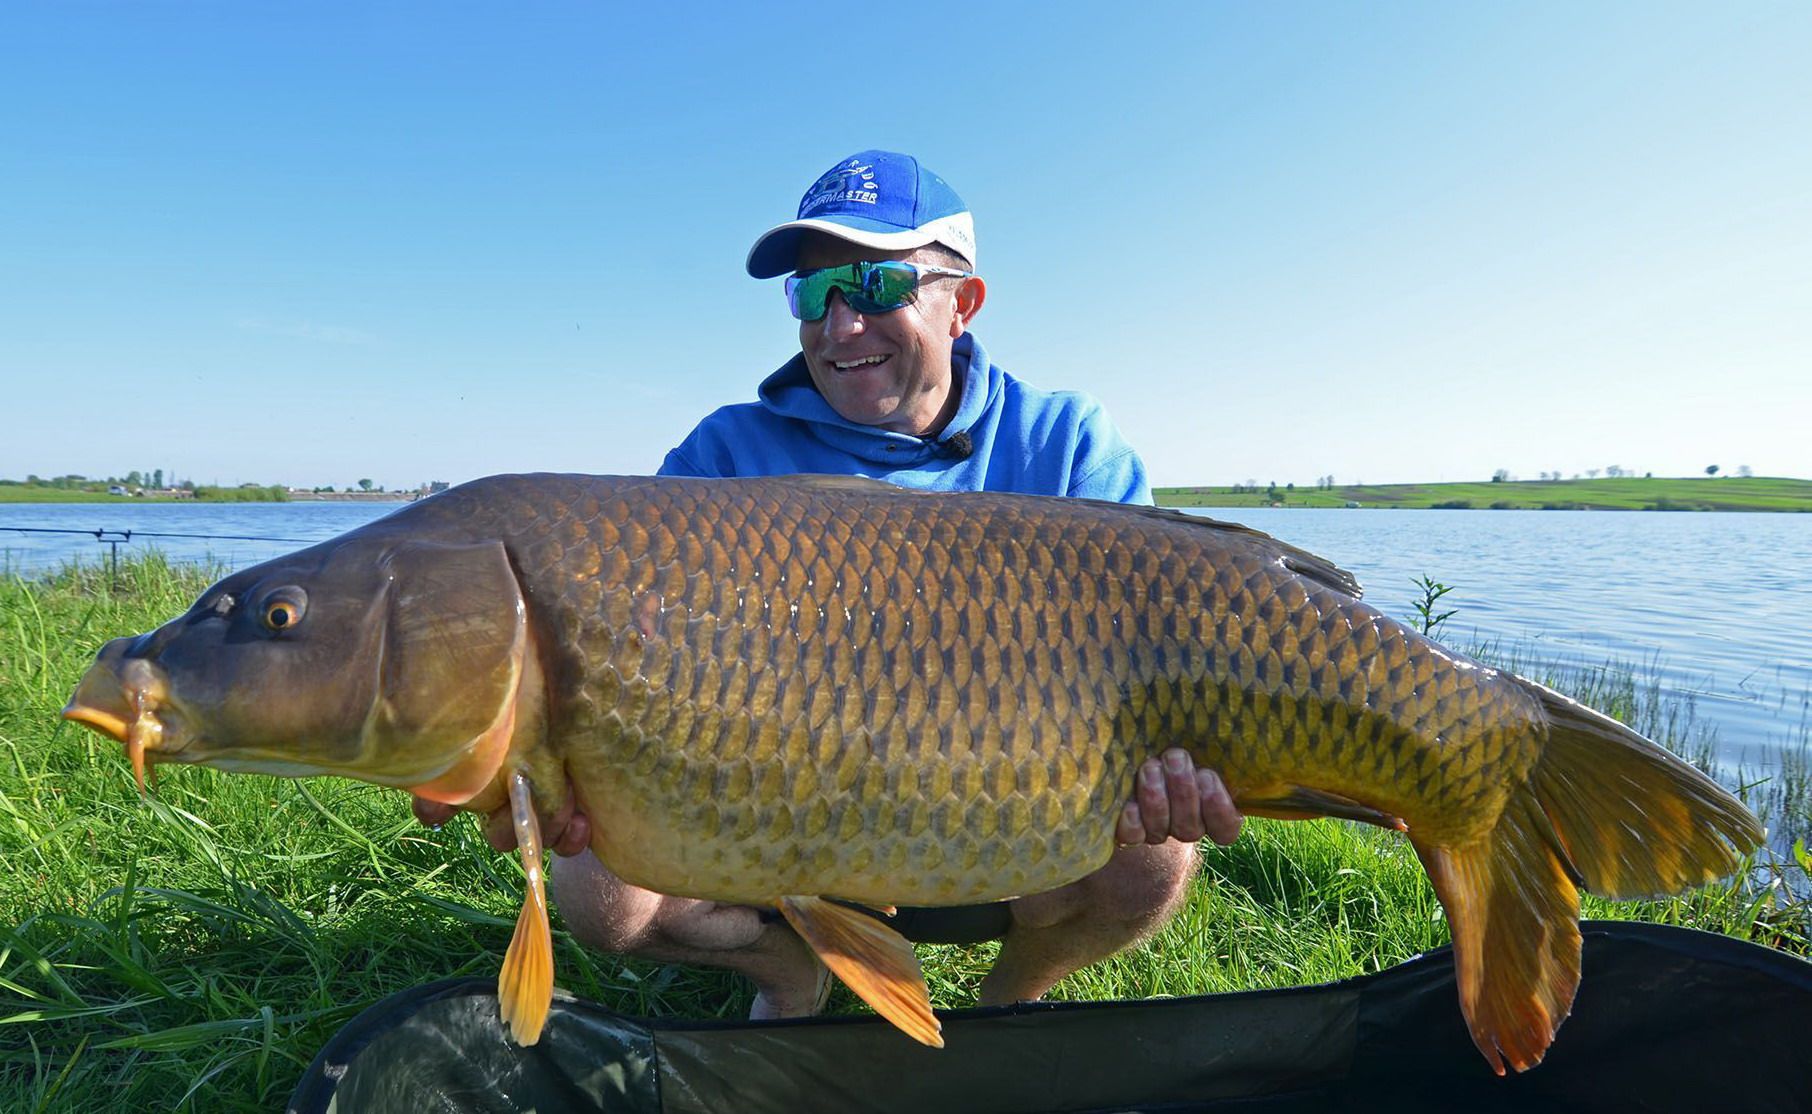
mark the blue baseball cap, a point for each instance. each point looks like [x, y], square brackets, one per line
[878, 199]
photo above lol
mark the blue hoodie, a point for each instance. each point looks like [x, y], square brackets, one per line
[1021, 439]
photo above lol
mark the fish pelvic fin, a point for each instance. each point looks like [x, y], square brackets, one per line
[873, 960]
[1514, 912]
[525, 987]
[1632, 819]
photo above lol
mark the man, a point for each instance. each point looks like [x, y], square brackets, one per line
[889, 383]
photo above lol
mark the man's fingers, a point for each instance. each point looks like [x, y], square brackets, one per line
[576, 837]
[566, 832]
[1218, 813]
[1154, 802]
[432, 813]
[500, 829]
[1130, 829]
[1174, 800]
[1184, 795]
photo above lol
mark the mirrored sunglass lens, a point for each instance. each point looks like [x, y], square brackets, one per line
[804, 298]
[867, 287]
[807, 294]
[890, 285]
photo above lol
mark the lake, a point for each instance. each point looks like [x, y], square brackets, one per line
[1717, 607]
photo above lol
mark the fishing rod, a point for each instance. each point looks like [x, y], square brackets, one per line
[113, 539]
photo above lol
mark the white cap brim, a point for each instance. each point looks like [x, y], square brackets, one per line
[776, 251]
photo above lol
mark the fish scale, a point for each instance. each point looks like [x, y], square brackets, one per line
[1160, 623]
[786, 690]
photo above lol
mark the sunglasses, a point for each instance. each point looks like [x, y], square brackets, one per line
[868, 287]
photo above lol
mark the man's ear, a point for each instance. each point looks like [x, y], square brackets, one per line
[970, 294]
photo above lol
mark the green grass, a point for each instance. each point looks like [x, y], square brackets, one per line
[193, 951]
[1735, 493]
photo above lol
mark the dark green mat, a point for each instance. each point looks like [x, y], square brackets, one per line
[1666, 1019]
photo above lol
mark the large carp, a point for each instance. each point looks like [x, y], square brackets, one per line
[783, 691]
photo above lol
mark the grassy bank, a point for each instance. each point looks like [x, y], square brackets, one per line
[1736, 493]
[193, 952]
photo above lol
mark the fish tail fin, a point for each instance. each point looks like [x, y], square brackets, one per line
[1514, 911]
[1603, 809]
[1633, 819]
[525, 986]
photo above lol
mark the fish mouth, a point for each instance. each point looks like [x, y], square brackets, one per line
[123, 706]
[104, 722]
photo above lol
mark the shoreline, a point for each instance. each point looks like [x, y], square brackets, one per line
[1625, 493]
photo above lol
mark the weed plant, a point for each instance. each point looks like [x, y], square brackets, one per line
[192, 951]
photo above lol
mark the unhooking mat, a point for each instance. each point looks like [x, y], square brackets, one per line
[1666, 1019]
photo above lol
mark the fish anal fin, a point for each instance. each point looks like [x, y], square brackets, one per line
[525, 987]
[1299, 802]
[873, 960]
[1514, 913]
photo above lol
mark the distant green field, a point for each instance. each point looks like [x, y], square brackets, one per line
[1736, 493]
[22, 493]
[42, 493]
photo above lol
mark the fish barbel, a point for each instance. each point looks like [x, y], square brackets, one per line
[782, 691]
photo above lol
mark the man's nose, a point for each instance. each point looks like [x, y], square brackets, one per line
[840, 320]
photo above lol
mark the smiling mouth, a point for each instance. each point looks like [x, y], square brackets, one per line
[864, 361]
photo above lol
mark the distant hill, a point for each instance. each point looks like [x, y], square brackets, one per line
[1627, 493]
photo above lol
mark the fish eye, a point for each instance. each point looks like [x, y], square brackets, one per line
[283, 609]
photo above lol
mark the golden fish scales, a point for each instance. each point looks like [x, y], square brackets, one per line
[759, 696]
[781, 691]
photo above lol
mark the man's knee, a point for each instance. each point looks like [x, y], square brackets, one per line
[1142, 885]
[608, 914]
[602, 911]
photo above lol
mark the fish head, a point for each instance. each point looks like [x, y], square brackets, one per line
[375, 657]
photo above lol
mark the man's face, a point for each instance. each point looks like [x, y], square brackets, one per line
[890, 370]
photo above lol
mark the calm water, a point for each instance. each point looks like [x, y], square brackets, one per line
[1719, 606]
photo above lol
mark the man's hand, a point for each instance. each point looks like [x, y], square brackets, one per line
[1174, 800]
[567, 832]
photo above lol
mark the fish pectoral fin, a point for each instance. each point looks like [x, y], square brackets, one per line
[525, 987]
[1299, 802]
[873, 960]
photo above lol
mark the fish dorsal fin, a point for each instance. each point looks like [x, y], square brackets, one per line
[873, 960]
[860, 485]
[1299, 561]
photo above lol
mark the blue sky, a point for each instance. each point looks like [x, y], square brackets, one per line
[1388, 242]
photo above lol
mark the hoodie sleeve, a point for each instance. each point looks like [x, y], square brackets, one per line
[678, 464]
[701, 455]
[1106, 467]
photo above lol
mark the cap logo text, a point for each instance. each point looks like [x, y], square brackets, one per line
[849, 182]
